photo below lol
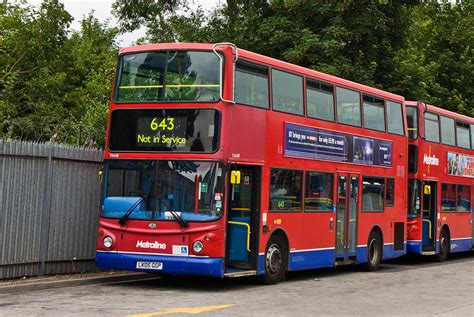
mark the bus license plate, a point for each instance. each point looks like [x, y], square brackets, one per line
[150, 265]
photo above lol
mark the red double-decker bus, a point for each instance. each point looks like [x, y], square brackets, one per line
[223, 162]
[441, 179]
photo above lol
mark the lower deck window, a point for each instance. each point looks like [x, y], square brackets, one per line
[319, 192]
[455, 198]
[463, 201]
[285, 189]
[414, 194]
[372, 194]
[390, 192]
[448, 197]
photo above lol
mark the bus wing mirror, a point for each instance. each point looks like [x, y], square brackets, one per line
[235, 177]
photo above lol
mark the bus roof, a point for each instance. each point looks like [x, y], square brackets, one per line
[443, 112]
[258, 58]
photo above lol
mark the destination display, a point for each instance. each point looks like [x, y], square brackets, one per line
[164, 130]
[460, 165]
[320, 144]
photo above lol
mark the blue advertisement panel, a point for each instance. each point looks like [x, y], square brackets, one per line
[312, 143]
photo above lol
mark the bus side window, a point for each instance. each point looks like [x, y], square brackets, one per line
[251, 85]
[390, 192]
[348, 106]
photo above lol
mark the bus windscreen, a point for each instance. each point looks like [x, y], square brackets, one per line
[159, 76]
[164, 130]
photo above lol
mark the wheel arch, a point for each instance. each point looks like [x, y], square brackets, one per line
[445, 227]
[376, 228]
[284, 236]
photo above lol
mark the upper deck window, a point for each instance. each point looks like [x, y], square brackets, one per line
[374, 113]
[168, 76]
[395, 118]
[462, 135]
[320, 100]
[251, 85]
[287, 90]
[412, 122]
[348, 106]
[431, 127]
[447, 131]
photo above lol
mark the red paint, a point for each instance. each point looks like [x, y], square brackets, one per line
[457, 222]
[255, 136]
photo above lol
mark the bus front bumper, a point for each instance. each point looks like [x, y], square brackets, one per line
[171, 265]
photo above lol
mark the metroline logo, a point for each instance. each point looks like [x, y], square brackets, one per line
[430, 160]
[151, 245]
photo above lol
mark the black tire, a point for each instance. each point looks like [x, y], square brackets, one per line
[444, 246]
[374, 251]
[275, 261]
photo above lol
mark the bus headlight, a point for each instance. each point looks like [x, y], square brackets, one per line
[107, 242]
[198, 246]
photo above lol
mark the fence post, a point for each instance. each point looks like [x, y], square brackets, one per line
[45, 222]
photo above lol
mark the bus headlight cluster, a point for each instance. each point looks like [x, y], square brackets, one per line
[107, 242]
[198, 246]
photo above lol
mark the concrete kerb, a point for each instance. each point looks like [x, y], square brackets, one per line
[75, 280]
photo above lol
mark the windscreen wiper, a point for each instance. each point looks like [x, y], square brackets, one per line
[183, 223]
[124, 218]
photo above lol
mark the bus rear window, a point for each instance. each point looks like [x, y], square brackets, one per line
[412, 122]
[168, 76]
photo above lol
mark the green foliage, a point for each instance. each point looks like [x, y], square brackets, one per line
[53, 81]
[436, 64]
[51, 76]
[422, 50]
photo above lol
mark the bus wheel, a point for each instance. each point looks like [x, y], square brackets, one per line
[443, 246]
[374, 251]
[275, 259]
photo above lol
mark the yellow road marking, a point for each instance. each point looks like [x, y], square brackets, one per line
[187, 310]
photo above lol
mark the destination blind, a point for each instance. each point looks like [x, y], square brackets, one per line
[164, 130]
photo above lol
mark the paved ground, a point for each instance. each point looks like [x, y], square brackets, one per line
[403, 287]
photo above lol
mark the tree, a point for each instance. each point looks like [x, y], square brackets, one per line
[53, 80]
[422, 50]
[436, 64]
[352, 39]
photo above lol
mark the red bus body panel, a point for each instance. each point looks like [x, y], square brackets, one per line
[254, 136]
[458, 224]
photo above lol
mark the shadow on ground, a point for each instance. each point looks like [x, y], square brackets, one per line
[213, 285]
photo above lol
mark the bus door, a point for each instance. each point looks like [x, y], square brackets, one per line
[243, 218]
[429, 216]
[347, 210]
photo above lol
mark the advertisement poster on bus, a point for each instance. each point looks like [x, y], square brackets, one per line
[312, 143]
[460, 165]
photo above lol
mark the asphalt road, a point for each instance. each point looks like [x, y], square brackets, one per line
[404, 287]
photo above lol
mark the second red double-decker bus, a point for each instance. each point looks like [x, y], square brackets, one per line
[223, 162]
[441, 179]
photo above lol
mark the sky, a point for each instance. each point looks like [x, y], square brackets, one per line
[102, 11]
